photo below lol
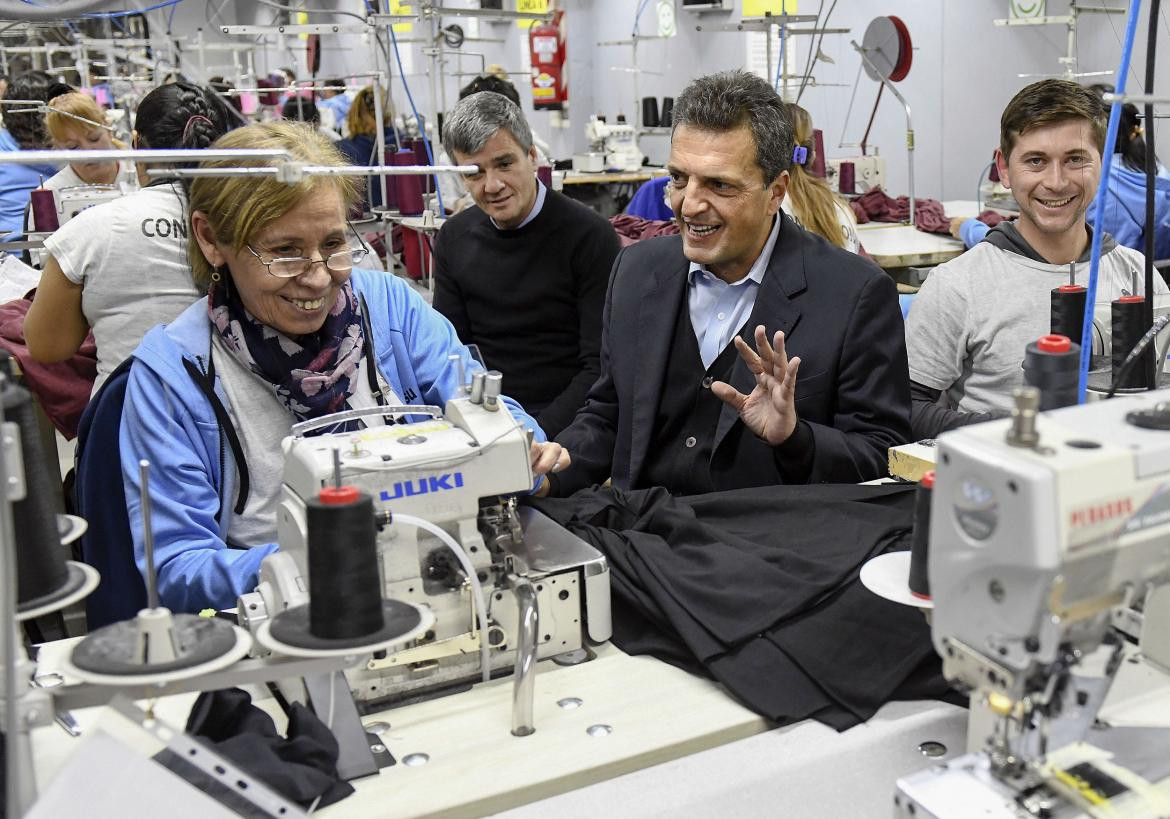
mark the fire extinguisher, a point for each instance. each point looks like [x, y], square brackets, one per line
[550, 72]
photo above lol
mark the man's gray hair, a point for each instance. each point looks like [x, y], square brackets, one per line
[477, 118]
[724, 101]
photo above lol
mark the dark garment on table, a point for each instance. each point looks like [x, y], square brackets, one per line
[758, 588]
[301, 767]
[680, 454]
[929, 418]
[531, 298]
[839, 314]
[62, 389]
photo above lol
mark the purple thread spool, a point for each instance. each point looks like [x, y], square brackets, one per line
[44, 210]
[817, 168]
[544, 174]
[410, 200]
[846, 181]
[419, 146]
[391, 202]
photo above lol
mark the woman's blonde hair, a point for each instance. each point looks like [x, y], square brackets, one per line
[239, 208]
[63, 113]
[813, 202]
[361, 119]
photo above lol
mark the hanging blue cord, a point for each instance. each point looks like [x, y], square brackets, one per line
[128, 12]
[638, 17]
[780, 62]
[1099, 202]
[171, 17]
[417, 118]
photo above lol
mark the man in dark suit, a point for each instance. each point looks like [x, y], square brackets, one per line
[697, 390]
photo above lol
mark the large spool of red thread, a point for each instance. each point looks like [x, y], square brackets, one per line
[44, 210]
[419, 146]
[391, 185]
[410, 200]
[416, 253]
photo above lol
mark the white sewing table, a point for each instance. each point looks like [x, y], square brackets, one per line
[679, 745]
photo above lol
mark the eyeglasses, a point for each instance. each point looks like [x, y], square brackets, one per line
[291, 267]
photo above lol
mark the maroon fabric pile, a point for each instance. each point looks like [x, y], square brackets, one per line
[631, 229]
[991, 218]
[61, 389]
[876, 206]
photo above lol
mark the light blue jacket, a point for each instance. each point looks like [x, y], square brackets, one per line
[1125, 212]
[339, 105]
[16, 182]
[167, 420]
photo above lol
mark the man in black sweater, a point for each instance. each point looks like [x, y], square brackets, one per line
[524, 274]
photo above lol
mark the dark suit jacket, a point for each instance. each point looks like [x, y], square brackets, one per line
[839, 313]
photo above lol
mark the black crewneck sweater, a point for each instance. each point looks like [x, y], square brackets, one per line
[532, 299]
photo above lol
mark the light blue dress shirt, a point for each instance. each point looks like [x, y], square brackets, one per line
[718, 309]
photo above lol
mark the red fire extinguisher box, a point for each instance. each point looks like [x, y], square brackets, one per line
[550, 81]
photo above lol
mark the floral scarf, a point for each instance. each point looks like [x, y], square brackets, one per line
[311, 376]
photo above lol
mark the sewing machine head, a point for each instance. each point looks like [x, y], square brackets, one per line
[72, 201]
[458, 471]
[1034, 544]
[619, 142]
[1046, 531]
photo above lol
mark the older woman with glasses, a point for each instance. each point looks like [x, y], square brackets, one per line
[291, 330]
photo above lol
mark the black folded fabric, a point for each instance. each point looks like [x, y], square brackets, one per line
[759, 589]
[301, 766]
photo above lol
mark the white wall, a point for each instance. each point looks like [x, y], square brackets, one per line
[964, 71]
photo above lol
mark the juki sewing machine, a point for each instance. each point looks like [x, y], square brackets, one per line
[455, 472]
[619, 142]
[1049, 543]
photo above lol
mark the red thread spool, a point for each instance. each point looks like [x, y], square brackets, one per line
[905, 51]
[416, 253]
[818, 164]
[846, 180]
[44, 210]
[544, 174]
[419, 146]
[410, 200]
[391, 183]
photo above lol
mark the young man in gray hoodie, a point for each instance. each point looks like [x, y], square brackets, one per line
[974, 316]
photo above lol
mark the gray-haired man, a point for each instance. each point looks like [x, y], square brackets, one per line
[524, 274]
[697, 391]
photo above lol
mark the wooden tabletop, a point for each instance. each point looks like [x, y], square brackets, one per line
[610, 177]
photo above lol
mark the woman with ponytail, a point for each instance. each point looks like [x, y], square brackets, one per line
[121, 267]
[809, 199]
